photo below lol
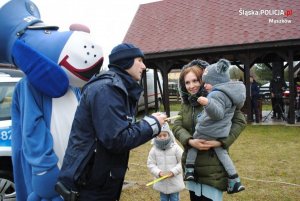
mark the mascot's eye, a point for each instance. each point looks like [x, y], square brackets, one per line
[93, 46]
[84, 46]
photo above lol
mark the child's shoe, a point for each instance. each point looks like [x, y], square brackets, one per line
[189, 173]
[235, 185]
[189, 176]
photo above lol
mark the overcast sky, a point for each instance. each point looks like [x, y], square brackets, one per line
[108, 20]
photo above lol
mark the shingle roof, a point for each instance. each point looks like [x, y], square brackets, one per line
[170, 25]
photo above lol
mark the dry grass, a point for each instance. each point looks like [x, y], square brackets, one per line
[267, 158]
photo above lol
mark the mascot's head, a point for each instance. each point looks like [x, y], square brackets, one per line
[51, 59]
[15, 17]
[81, 56]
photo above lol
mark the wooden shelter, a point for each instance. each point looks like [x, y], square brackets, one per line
[173, 32]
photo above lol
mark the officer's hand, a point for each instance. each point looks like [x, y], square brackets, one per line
[161, 118]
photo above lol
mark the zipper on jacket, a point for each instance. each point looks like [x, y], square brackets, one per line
[193, 118]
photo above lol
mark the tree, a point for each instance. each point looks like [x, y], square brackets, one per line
[235, 73]
[263, 73]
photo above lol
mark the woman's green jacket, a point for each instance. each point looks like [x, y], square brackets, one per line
[208, 168]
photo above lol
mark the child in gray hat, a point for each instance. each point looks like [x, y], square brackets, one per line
[215, 120]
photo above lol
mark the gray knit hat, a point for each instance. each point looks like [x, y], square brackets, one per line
[166, 128]
[217, 73]
[165, 143]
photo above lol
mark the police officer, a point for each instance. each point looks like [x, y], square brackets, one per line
[277, 87]
[104, 130]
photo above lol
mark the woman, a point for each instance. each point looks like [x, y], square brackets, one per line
[210, 176]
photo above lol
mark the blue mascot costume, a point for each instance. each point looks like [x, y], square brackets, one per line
[55, 64]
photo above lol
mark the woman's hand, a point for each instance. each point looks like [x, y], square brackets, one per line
[201, 144]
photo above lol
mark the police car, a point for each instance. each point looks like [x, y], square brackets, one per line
[8, 81]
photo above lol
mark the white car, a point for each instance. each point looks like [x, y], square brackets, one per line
[150, 91]
[8, 80]
[264, 90]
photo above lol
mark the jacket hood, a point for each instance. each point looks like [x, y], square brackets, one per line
[185, 95]
[235, 90]
[183, 92]
[201, 64]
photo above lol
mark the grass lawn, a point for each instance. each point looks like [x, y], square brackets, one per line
[267, 159]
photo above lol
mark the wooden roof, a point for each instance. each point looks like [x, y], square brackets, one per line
[173, 32]
[176, 25]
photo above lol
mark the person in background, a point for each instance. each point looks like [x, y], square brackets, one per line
[210, 176]
[224, 96]
[277, 87]
[104, 130]
[165, 159]
[297, 95]
[254, 95]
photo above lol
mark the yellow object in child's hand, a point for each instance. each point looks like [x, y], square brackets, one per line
[157, 180]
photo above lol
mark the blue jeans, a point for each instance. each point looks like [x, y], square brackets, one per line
[169, 197]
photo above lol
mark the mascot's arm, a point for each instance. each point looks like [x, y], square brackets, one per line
[45, 75]
[38, 142]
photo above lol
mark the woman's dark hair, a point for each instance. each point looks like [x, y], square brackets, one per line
[196, 66]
